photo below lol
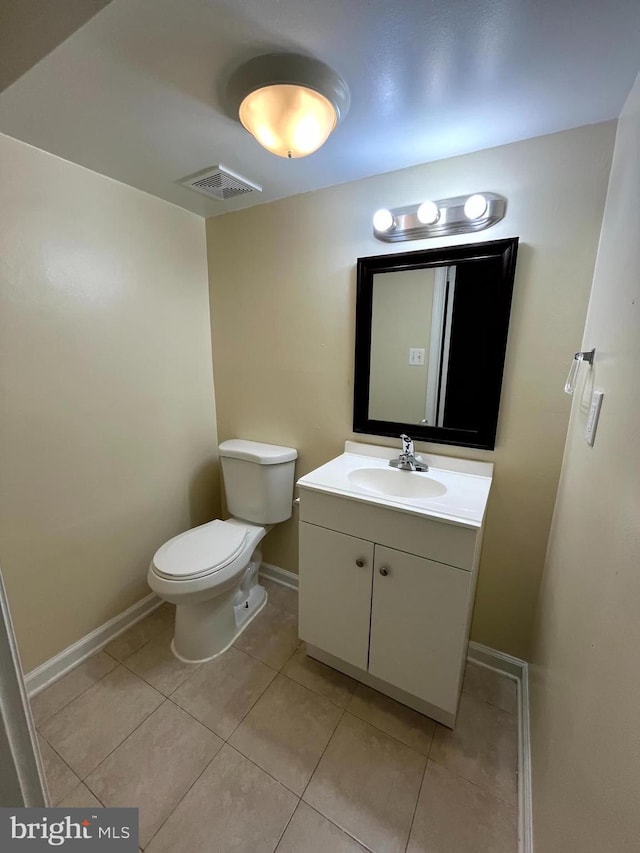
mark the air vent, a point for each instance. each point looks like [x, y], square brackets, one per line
[220, 183]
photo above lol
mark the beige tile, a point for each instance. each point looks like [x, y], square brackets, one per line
[286, 732]
[490, 686]
[483, 747]
[282, 596]
[412, 728]
[89, 728]
[155, 766]
[221, 692]
[234, 807]
[156, 663]
[272, 637]
[61, 779]
[309, 832]
[80, 798]
[66, 689]
[321, 679]
[367, 783]
[454, 815]
[133, 639]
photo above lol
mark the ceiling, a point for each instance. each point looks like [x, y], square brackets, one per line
[137, 92]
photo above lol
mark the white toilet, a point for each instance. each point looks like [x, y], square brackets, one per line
[211, 572]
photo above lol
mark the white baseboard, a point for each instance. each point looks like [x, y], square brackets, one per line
[281, 576]
[519, 671]
[505, 664]
[57, 666]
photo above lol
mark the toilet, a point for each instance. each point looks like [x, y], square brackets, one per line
[211, 572]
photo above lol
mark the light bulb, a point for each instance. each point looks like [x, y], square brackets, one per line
[290, 121]
[428, 213]
[475, 206]
[383, 220]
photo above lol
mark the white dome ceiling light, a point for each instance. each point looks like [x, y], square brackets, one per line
[289, 103]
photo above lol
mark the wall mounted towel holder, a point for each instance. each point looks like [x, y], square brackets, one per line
[578, 358]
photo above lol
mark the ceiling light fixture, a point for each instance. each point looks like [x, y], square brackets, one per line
[289, 103]
[440, 217]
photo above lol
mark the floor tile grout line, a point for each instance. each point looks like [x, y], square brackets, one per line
[317, 764]
[315, 692]
[213, 758]
[157, 689]
[420, 754]
[475, 784]
[83, 779]
[266, 772]
[341, 828]
[244, 652]
[82, 692]
[393, 737]
[97, 681]
[233, 746]
[415, 808]
[142, 722]
[275, 849]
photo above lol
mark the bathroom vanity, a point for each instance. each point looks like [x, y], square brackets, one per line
[388, 569]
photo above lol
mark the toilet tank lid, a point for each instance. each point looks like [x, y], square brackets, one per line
[256, 451]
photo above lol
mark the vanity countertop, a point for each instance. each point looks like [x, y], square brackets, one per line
[466, 483]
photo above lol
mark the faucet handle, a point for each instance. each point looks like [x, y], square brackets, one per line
[407, 444]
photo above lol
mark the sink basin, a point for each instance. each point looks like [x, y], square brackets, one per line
[396, 484]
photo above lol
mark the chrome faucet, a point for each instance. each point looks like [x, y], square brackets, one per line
[407, 460]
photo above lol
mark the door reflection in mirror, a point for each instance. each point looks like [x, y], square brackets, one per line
[410, 339]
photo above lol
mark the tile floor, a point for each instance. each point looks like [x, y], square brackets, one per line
[266, 750]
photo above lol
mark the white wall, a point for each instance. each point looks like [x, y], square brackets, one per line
[108, 434]
[585, 685]
[282, 279]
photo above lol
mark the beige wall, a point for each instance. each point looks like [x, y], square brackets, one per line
[401, 318]
[282, 279]
[107, 434]
[585, 686]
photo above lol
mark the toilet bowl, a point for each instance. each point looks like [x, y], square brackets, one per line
[211, 572]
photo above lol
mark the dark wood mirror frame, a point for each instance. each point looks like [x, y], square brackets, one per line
[492, 265]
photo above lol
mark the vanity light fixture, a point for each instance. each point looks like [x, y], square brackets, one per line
[475, 206]
[428, 212]
[383, 220]
[440, 217]
[289, 103]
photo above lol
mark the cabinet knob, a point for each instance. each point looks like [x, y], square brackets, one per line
[360, 562]
[384, 572]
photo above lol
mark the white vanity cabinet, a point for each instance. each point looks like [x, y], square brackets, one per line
[386, 597]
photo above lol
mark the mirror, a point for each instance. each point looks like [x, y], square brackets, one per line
[431, 336]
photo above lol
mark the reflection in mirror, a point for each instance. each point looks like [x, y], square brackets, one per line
[410, 348]
[431, 330]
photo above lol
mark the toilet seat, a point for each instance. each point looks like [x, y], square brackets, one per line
[201, 551]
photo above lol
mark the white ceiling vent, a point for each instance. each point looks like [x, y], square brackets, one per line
[220, 183]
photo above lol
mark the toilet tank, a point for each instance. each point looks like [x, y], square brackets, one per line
[258, 480]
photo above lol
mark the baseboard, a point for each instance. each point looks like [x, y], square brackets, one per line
[281, 576]
[519, 671]
[56, 667]
[505, 664]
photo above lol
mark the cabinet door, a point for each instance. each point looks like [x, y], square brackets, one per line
[335, 592]
[419, 625]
